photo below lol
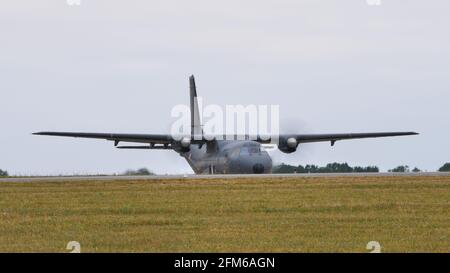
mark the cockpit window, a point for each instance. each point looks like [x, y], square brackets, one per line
[250, 150]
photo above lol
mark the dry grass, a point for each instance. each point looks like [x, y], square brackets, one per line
[404, 214]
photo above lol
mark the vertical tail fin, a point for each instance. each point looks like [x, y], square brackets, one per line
[196, 127]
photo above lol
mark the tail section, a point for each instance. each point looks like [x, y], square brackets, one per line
[196, 127]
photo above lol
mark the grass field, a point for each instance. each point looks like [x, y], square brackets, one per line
[404, 214]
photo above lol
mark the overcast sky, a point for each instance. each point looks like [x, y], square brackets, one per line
[333, 66]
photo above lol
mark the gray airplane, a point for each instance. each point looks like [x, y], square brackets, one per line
[218, 156]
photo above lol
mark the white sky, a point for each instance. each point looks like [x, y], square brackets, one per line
[333, 66]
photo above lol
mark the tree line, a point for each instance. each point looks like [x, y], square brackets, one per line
[329, 168]
[130, 172]
[345, 168]
[285, 168]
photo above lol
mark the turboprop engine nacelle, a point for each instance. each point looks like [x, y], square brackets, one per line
[183, 145]
[288, 145]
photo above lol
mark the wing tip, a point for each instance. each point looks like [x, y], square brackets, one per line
[45, 133]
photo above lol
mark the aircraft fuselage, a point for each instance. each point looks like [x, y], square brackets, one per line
[228, 157]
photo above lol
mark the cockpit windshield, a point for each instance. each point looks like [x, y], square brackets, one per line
[250, 150]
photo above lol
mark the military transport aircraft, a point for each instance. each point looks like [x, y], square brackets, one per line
[217, 155]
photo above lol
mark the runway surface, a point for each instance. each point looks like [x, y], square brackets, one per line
[193, 176]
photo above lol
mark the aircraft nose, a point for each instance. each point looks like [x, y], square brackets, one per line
[258, 168]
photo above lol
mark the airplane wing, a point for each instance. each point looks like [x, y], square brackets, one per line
[306, 138]
[152, 139]
[161, 141]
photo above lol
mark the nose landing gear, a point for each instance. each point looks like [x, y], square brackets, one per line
[258, 168]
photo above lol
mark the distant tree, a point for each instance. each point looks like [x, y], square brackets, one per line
[368, 169]
[284, 168]
[301, 169]
[338, 168]
[141, 171]
[311, 169]
[445, 168]
[3, 173]
[372, 169]
[400, 169]
[144, 171]
[416, 170]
